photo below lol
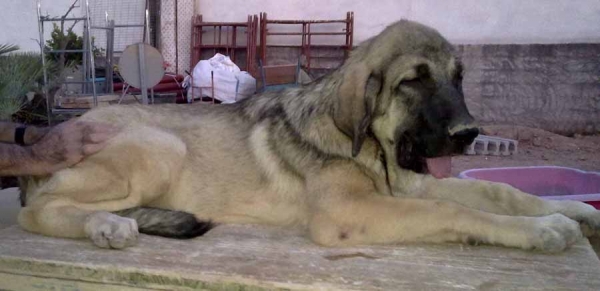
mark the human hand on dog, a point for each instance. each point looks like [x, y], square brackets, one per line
[68, 143]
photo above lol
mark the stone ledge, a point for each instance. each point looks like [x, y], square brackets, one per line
[236, 257]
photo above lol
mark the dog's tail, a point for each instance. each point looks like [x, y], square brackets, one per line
[167, 223]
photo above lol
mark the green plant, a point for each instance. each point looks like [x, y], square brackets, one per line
[19, 74]
[7, 48]
[57, 67]
[66, 39]
[61, 41]
[69, 41]
[4, 49]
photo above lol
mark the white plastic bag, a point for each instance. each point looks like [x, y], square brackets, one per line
[223, 63]
[246, 85]
[230, 84]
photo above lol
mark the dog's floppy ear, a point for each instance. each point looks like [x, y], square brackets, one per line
[355, 106]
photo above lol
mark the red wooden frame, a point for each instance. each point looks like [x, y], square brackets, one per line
[306, 35]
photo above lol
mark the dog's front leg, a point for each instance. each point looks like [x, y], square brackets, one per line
[385, 220]
[350, 213]
[501, 199]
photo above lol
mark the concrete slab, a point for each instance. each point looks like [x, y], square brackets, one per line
[492, 145]
[237, 257]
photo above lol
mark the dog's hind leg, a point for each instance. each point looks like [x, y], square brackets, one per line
[75, 203]
[55, 216]
[139, 166]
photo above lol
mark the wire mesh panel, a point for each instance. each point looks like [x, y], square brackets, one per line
[129, 18]
[154, 11]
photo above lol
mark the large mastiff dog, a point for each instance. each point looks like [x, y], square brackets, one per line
[356, 157]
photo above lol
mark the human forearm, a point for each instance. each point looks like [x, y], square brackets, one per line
[7, 132]
[16, 160]
[64, 146]
[32, 134]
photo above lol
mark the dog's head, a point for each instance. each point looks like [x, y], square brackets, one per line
[404, 88]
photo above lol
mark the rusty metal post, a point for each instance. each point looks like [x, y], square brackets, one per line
[263, 42]
[308, 49]
[351, 29]
[219, 41]
[212, 87]
[193, 43]
[303, 45]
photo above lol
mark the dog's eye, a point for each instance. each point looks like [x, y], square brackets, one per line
[422, 76]
[411, 82]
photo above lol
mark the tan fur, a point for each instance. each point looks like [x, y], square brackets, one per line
[321, 157]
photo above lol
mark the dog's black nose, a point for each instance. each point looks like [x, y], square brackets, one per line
[465, 136]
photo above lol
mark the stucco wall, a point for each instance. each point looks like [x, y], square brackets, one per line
[461, 21]
[555, 87]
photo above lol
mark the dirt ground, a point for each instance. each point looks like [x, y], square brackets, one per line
[536, 148]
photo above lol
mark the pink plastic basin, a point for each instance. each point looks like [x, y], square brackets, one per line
[557, 183]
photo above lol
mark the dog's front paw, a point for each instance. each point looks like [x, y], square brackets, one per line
[553, 233]
[586, 215]
[108, 230]
[590, 222]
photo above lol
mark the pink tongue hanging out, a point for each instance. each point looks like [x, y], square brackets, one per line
[440, 167]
